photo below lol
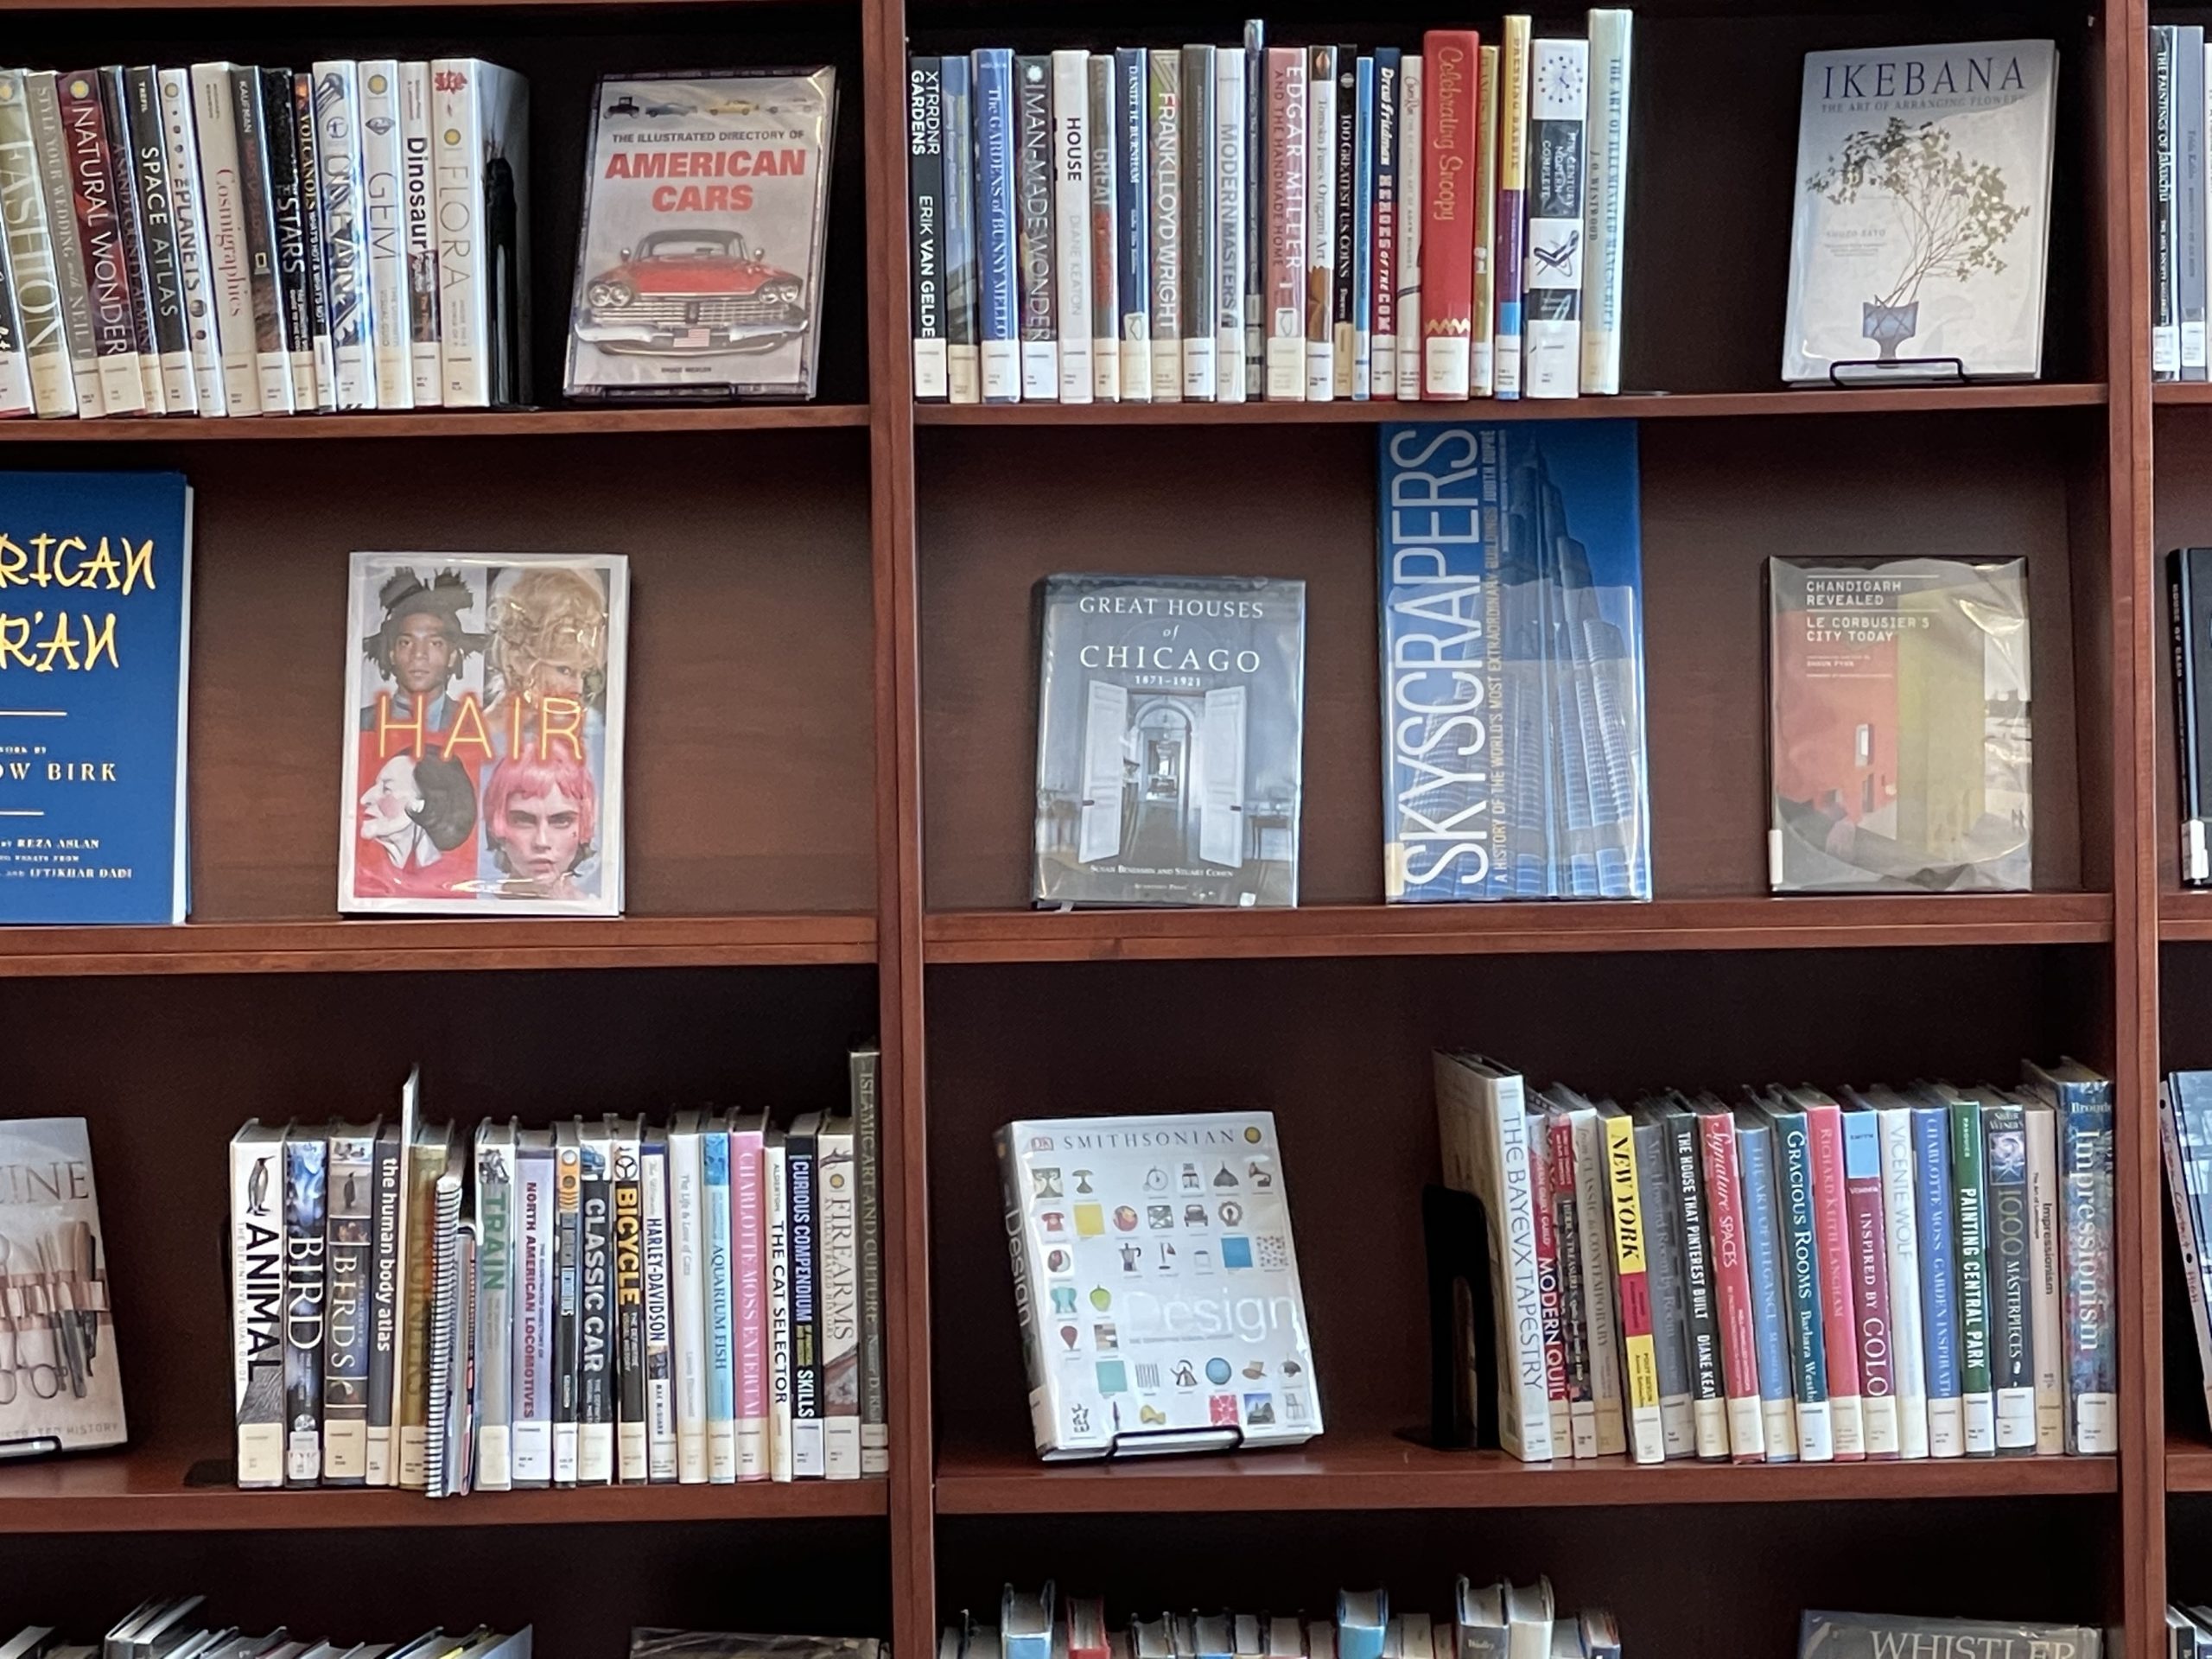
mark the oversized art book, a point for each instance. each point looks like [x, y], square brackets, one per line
[60, 1387]
[483, 734]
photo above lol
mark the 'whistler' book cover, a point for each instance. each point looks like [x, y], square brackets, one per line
[1877, 1635]
[1513, 723]
[1170, 715]
[95, 614]
[60, 1387]
[1899, 732]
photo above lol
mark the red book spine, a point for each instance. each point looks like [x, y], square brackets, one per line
[1452, 123]
[92, 180]
[1732, 1274]
[1567, 1223]
[1870, 1287]
[1550, 1303]
[1838, 1310]
[1286, 186]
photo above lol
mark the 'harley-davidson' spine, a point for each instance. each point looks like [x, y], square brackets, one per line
[130, 227]
[660, 1347]
[1285, 304]
[926, 167]
[1164, 159]
[418, 191]
[1133, 220]
[351, 1260]
[536, 1202]
[354, 344]
[997, 239]
[272, 345]
[382, 217]
[306, 1196]
[1041, 357]
[632, 1442]
[161, 237]
[295, 240]
[389, 1175]
[229, 278]
[1070, 143]
[803, 1219]
[326, 363]
[595, 1380]
[1199, 179]
[257, 1302]
[99, 234]
[496, 1154]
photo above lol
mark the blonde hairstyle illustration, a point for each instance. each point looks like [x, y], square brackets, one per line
[548, 617]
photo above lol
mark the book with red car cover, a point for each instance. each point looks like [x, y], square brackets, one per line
[699, 271]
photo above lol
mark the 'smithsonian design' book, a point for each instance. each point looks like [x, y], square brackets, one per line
[483, 733]
[95, 614]
[57, 1338]
[1170, 718]
[1923, 222]
[1877, 1635]
[1513, 723]
[1898, 725]
[699, 272]
[1157, 1285]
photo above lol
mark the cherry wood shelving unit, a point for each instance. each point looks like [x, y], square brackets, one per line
[829, 797]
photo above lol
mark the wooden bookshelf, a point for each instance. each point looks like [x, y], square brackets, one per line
[829, 778]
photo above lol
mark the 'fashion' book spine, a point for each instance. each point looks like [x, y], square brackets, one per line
[33, 257]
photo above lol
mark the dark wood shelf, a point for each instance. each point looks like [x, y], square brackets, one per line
[2189, 1464]
[145, 1491]
[2184, 914]
[2182, 393]
[1632, 406]
[1751, 924]
[1382, 1472]
[434, 424]
[375, 945]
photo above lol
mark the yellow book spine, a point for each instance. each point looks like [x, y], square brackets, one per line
[1481, 313]
[1646, 1443]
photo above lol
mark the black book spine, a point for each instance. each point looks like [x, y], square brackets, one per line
[164, 264]
[384, 1308]
[802, 1228]
[630, 1312]
[287, 202]
[1340, 290]
[2012, 1327]
[306, 1245]
[129, 213]
[596, 1319]
[568, 1279]
[1708, 1393]
[272, 351]
[926, 220]
[325, 397]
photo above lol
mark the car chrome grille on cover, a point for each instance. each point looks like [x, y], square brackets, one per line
[695, 313]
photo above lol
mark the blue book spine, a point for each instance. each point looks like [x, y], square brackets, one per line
[1381, 287]
[1133, 235]
[958, 147]
[1939, 1285]
[1363, 230]
[1359, 1630]
[997, 276]
[721, 1322]
[1801, 1277]
[2085, 1137]
[1770, 1314]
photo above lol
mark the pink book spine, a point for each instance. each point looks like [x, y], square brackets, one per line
[1550, 1302]
[1838, 1310]
[1732, 1274]
[749, 1247]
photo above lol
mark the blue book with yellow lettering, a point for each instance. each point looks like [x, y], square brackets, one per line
[95, 608]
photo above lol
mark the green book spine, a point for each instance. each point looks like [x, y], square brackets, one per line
[1974, 1279]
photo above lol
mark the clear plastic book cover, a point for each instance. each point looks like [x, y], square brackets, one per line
[61, 1389]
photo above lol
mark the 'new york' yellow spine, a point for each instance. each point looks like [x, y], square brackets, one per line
[1641, 1358]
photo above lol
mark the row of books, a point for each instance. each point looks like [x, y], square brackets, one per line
[604, 1300]
[232, 239]
[2179, 229]
[177, 1627]
[1296, 223]
[1495, 1621]
[1915, 1272]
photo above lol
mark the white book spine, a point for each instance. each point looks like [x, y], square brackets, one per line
[1413, 209]
[189, 212]
[1071, 220]
[341, 155]
[1815, 1432]
[457, 152]
[660, 1344]
[687, 1202]
[779, 1309]
[256, 1307]
[2046, 1284]
[1509, 1127]
[229, 263]
[384, 222]
[1901, 1227]
[1594, 1209]
[1232, 181]
[1552, 329]
[533, 1333]
[418, 194]
[840, 1326]
[1320, 234]
[1604, 199]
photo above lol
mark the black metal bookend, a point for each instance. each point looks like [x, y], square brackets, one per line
[1463, 1400]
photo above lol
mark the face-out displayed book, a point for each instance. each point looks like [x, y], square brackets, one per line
[61, 1389]
[1899, 726]
[1921, 231]
[1512, 672]
[1170, 725]
[699, 272]
[1876, 1636]
[95, 613]
[1157, 1285]
[483, 733]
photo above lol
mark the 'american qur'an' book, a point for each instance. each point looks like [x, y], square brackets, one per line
[60, 1387]
[1171, 712]
[1899, 726]
[699, 273]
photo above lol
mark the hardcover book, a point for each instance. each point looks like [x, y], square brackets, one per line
[483, 734]
[1128, 1234]
[92, 725]
[1170, 721]
[699, 271]
[2188, 590]
[1899, 725]
[1923, 214]
[67, 1392]
[1875, 1636]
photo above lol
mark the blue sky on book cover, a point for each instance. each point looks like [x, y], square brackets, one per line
[94, 596]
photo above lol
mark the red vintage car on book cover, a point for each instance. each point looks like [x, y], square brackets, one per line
[684, 291]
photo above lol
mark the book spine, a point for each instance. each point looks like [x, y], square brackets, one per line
[2044, 1254]
[840, 1339]
[1563, 1190]
[531, 1342]
[1199, 179]
[749, 1248]
[1256, 209]
[1493, 1118]
[382, 217]
[1482, 312]
[1101, 89]
[389, 1175]
[2193, 856]
[31, 256]
[444, 1308]
[350, 1259]
[1975, 1375]
[1732, 1283]
[2086, 1151]
[633, 1433]
[1901, 1239]
[1357, 234]
[1412, 217]
[1512, 202]
[1133, 218]
[273, 352]
[425, 1163]
[1070, 168]
[997, 244]
[689, 1295]
[1709, 1393]
[1869, 1284]
[867, 1157]
[802, 1220]
[164, 234]
[1344, 269]
[1163, 167]
[722, 1308]
[1939, 1267]
[419, 190]
[660, 1330]
[1838, 1309]
[1593, 1203]
[354, 344]
[1626, 1212]
[1383, 228]
[113, 92]
[296, 243]
[310, 164]
[1320, 223]
[595, 1338]
[1796, 1207]
[1766, 1258]
[567, 1283]
[1655, 1181]
[1550, 1294]
[1604, 198]
[2011, 1338]
[464, 300]
[1232, 182]
[495, 1308]
[776, 1233]
[1286, 224]
[2165, 312]
[229, 277]
[99, 234]
[1033, 170]
[1451, 60]
[924, 215]
[306, 1289]
[2189, 199]
[256, 1253]
[50, 146]
[2180, 1189]
[1557, 117]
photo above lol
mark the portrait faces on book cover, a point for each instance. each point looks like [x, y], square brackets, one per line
[484, 734]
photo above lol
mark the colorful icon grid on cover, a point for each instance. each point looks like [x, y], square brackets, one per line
[484, 733]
